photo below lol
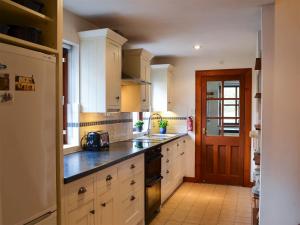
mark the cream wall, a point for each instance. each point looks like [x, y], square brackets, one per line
[72, 25]
[184, 81]
[280, 172]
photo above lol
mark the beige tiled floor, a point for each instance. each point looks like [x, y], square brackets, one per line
[206, 204]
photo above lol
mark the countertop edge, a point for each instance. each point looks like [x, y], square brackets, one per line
[114, 162]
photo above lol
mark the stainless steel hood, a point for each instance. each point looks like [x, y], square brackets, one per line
[130, 80]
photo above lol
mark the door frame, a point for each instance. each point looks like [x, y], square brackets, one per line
[247, 73]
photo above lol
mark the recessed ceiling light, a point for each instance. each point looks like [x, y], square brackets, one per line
[197, 47]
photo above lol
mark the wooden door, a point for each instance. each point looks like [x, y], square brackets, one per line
[223, 128]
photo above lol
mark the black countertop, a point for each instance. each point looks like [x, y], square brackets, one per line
[83, 163]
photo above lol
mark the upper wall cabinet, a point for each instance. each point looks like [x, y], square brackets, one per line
[161, 88]
[100, 70]
[136, 89]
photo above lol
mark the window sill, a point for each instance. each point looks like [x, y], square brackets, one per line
[139, 134]
[68, 149]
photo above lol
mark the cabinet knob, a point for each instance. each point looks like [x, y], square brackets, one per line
[103, 204]
[183, 141]
[132, 182]
[2, 66]
[167, 161]
[82, 190]
[169, 102]
[168, 149]
[168, 171]
[109, 178]
[118, 97]
[132, 166]
[144, 100]
[182, 153]
[92, 212]
[132, 198]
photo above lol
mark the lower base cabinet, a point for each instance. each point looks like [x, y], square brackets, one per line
[173, 167]
[99, 199]
[83, 215]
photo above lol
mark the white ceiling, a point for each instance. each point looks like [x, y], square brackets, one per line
[172, 27]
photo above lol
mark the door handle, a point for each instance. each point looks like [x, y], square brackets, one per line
[204, 130]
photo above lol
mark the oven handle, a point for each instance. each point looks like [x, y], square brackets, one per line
[154, 182]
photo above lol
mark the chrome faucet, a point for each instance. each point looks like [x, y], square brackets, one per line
[149, 121]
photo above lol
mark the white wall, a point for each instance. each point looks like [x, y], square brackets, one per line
[280, 172]
[72, 25]
[184, 81]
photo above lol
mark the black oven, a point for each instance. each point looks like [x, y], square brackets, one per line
[152, 183]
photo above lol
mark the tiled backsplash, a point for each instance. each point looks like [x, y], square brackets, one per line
[118, 125]
[176, 123]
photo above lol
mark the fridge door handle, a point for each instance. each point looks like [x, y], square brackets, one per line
[39, 219]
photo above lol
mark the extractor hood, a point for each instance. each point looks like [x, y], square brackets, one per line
[131, 80]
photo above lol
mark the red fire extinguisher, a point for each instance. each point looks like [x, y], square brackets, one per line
[190, 123]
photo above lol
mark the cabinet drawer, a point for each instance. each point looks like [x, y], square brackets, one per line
[132, 208]
[134, 183]
[80, 192]
[107, 180]
[131, 167]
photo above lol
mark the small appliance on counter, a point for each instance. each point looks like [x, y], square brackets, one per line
[95, 141]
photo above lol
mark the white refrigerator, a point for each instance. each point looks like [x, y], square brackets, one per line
[27, 137]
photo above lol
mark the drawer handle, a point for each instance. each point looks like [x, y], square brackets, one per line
[132, 198]
[132, 182]
[132, 166]
[168, 171]
[144, 100]
[118, 97]
[103, 204]
[167, 161]
[109, 178]
[92, 212]
[182, 153]
[82, 190]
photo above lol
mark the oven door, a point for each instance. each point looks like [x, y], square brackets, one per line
[153, 199]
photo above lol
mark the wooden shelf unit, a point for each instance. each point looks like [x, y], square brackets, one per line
[13, 7]
[27, 44]
[12, 13]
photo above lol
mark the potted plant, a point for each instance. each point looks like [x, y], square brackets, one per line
[163, 126]
[139, 125]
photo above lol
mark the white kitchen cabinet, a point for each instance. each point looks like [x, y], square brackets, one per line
[161, 87]
[100, 70]
[107, 209]
[83, 215]
[136, 94]
[173, 164]
[113, 196]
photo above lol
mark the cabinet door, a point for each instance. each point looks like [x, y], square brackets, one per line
[113, 75]
[107, 213]
[83, 215]
[169, 92]
[145, 89]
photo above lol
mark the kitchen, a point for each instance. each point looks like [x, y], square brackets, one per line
[103, 117]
